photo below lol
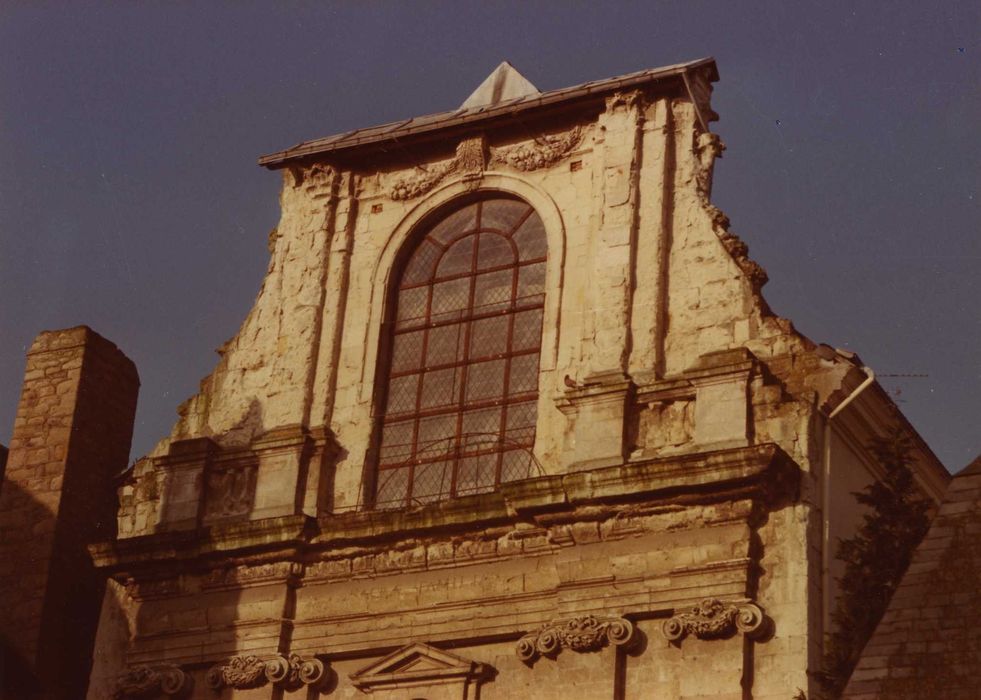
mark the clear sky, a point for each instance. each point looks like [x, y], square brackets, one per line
[130, 199]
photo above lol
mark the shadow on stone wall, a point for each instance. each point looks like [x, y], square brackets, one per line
[47, 623]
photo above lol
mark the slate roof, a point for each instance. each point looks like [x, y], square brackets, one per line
[928, 644]
[473, 115]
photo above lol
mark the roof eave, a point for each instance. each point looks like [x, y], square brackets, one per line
[547, 99]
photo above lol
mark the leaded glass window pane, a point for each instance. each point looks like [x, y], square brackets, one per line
[462, 374]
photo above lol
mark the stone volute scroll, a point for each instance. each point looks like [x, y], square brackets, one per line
[243, 672]
[715, 619]
[583, 633]
[151, 681]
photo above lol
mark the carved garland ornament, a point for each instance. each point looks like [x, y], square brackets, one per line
[542, 153]
[147, 681]
[243, 672]
[585, 633]
[472, 159]
[712, 619]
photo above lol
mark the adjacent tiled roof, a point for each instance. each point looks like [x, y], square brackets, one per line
[928, 644]
[432, 122]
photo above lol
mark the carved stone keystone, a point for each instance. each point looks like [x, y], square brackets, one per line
[712, 619]
[585, 633]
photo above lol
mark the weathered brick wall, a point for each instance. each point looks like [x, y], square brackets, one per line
[71, 435]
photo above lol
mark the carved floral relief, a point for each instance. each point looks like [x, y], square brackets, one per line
[230, 492]
[712, 619]
[148, 681]
[472, 159]
[584, 633]
[543, 152]
[250, 671]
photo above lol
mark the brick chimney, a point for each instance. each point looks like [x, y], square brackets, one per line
[71, 435]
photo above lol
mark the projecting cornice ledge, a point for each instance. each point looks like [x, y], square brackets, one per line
[760, 472]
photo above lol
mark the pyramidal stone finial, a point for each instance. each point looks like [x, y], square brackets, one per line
[504, 83]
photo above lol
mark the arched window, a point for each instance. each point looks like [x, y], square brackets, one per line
[462, 378]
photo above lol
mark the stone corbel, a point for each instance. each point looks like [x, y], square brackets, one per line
[147, 681]
[243, 672]
[584, 633]
[715, 619]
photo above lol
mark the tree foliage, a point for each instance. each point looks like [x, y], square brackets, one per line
[896, 520]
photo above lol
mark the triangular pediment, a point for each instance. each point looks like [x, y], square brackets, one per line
[417, 664]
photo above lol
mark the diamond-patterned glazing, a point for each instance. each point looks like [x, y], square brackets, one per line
[402, 393]
[530, 239]
[527, 330]
[397, 442]
[431, 480]
[478, 425]
[516, 465]
[440, 387]
[524, 374]
[488, 337]
[502, 214]
[450, 299]
[407, 351]
[476, 474]
[392, 487]
[420, 267]
[468, 339]
[531, 280]
[492, 291]
[445, 345]
[457, 260]
[493, 251]
[454, 225]
[412, 307]
[485, 380]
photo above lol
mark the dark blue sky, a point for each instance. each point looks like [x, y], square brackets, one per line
[130, 199]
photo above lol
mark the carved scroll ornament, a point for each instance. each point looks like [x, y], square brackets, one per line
[243, 672]
[585, 633]
[148, 681]
[712, 619]
[543, 152]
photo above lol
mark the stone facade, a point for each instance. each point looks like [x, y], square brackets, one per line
[674, 542]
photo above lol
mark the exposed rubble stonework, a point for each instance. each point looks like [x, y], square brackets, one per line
[671, 539]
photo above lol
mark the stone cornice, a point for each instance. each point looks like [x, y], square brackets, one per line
[758, 472]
